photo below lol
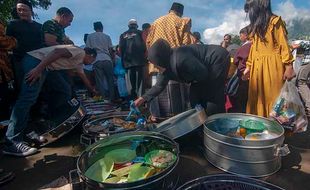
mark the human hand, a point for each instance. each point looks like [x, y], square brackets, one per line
[246, 74]
[34, 75]
[138, 102]
[289, 73]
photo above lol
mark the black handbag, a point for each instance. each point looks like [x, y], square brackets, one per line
[233, 85]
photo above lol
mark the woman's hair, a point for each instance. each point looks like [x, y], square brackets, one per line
[259, 12]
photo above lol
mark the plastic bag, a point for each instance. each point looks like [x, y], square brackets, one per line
[118, 68]
[289, 110]
[121, 86]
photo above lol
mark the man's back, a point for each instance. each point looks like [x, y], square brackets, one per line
[102, 43]
[132, 48]
[171, 28]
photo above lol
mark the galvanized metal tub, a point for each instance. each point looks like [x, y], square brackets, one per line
[165, 179]
[227, 182]
[253, 158]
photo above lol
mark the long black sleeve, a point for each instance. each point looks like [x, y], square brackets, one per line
[189, 67]
[162, 81]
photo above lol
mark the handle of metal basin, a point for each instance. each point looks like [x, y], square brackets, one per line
[75, 180]
[282, 151]
[85, 140]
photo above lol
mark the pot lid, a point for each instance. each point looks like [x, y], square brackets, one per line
[182, 123]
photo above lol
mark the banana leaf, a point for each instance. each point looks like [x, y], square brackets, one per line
[100, 170]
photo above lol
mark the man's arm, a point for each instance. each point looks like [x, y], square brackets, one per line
[162, 81]
[35, 73]
[86, 82]
[160, 85]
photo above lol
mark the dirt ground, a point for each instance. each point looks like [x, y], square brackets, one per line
[58, 158]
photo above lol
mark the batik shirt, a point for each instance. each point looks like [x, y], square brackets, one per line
[172, 28]
[6, 43]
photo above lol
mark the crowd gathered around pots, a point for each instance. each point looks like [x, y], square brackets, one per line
[163, 65]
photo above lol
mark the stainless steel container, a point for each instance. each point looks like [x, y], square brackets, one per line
[163, 180]
[92, 133]
[182, 123]
[253, 158]
[224, 181]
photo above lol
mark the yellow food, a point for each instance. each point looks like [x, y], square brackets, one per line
[243, 132]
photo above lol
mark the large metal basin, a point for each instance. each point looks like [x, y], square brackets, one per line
[162, 180]
[255, 158]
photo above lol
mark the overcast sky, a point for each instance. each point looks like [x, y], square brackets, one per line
[212, 18]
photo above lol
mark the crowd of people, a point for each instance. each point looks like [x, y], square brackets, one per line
[163, 61]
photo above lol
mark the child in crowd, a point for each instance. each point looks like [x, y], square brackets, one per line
[239, 99]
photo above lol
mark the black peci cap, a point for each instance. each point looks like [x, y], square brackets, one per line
[25, 2]
[177, 7]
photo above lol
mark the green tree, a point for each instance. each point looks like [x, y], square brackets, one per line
[6, 7]
[235, 40]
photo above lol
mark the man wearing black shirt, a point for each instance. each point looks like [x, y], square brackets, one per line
[27, 32]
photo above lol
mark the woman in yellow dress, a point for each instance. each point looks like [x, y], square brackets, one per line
[270, 60]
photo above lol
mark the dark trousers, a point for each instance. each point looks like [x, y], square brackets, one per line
[239, 101]
[135, 75]
[58, 91]
[211, 97]
[4, 101]
[104, 78]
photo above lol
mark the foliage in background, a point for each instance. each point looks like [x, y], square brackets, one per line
[300, 30]
[6, 7]
[235, 40]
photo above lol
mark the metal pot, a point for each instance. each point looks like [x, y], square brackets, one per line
[162, 180]
[92, 134]
[254, 158]
[224, 181]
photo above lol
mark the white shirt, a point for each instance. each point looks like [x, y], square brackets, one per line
[74, 62]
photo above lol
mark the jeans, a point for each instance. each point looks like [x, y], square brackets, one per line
[27, 97]
[104, 70]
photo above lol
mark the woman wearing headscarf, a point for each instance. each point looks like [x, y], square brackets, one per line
[204, 67]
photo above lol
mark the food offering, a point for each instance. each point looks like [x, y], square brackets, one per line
[245, 129]
[115, 124]
[94, 105]
[131, 160]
